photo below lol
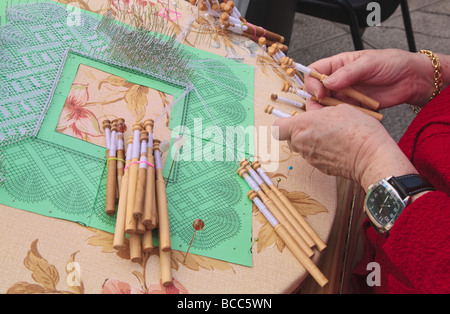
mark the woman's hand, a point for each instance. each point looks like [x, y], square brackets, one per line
[342, 141]
[390, 76]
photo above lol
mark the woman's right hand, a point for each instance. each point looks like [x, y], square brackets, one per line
[390, 76]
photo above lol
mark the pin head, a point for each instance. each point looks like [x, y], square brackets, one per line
[198, 224]
[122, 127]
[164, 146]
[290, 167]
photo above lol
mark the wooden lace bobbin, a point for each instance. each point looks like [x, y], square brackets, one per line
[135, 247]
[107, 130]
[263, 43]
[298, 104]
[119, 233]
[140, 227]
[165, 259]
[256, 31]
[274, 53]
[215, 5]
[202, 6]
[121, 129]
[349, 91]
[278, 113]
[319, 243]
[234, 12]
[150, 215]
[305, 260]
[294, 217]
[276, 212]
[147, 241]
[161, 198]
[328, 101]
[141, 178]
[293, 75]
[111, 181]
[133, 169]
[106, 124]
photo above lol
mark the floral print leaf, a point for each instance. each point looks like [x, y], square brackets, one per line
[115, 81]
[267, 237]
[102, 239]
[25, 288]
[304, 203]
[105, 240]
[42, 272]
[136, 99]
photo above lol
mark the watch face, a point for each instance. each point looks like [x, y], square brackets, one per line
[384, 205]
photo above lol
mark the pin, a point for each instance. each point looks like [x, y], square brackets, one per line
[253, 243]
[290, 168]
[278, 181]
[198, 225]
[178, 143]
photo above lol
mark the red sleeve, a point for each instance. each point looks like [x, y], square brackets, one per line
[418, 246]
[415, 258]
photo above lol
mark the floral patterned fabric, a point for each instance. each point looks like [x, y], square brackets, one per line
[45, 255]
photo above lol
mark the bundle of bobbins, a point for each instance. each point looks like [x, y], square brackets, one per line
[142, 198]
[288, 223]
[231, 19]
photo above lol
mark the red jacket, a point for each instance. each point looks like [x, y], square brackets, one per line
[415, 258]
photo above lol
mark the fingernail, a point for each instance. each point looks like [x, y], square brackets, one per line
[329, 80]
[276, 132]
[316, 94]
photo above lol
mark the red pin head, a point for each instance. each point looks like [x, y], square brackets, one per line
[198, 225]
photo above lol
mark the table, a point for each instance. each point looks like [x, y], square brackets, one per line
[41, 254]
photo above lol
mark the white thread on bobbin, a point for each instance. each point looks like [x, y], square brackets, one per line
[288, 101]
[265, 211]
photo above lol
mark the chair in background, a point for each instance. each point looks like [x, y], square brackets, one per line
[354, 13]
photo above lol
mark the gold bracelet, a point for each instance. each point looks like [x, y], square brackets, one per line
[438, 83]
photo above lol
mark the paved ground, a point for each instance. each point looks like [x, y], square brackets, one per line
[315, 38]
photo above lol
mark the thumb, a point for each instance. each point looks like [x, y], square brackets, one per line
[282, 129]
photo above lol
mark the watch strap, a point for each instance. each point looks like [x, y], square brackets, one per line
[410, 185]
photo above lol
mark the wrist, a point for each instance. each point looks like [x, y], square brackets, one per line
[384, 161]
[417, 196]
[436, 80]
[445, 64]
[428, 88]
